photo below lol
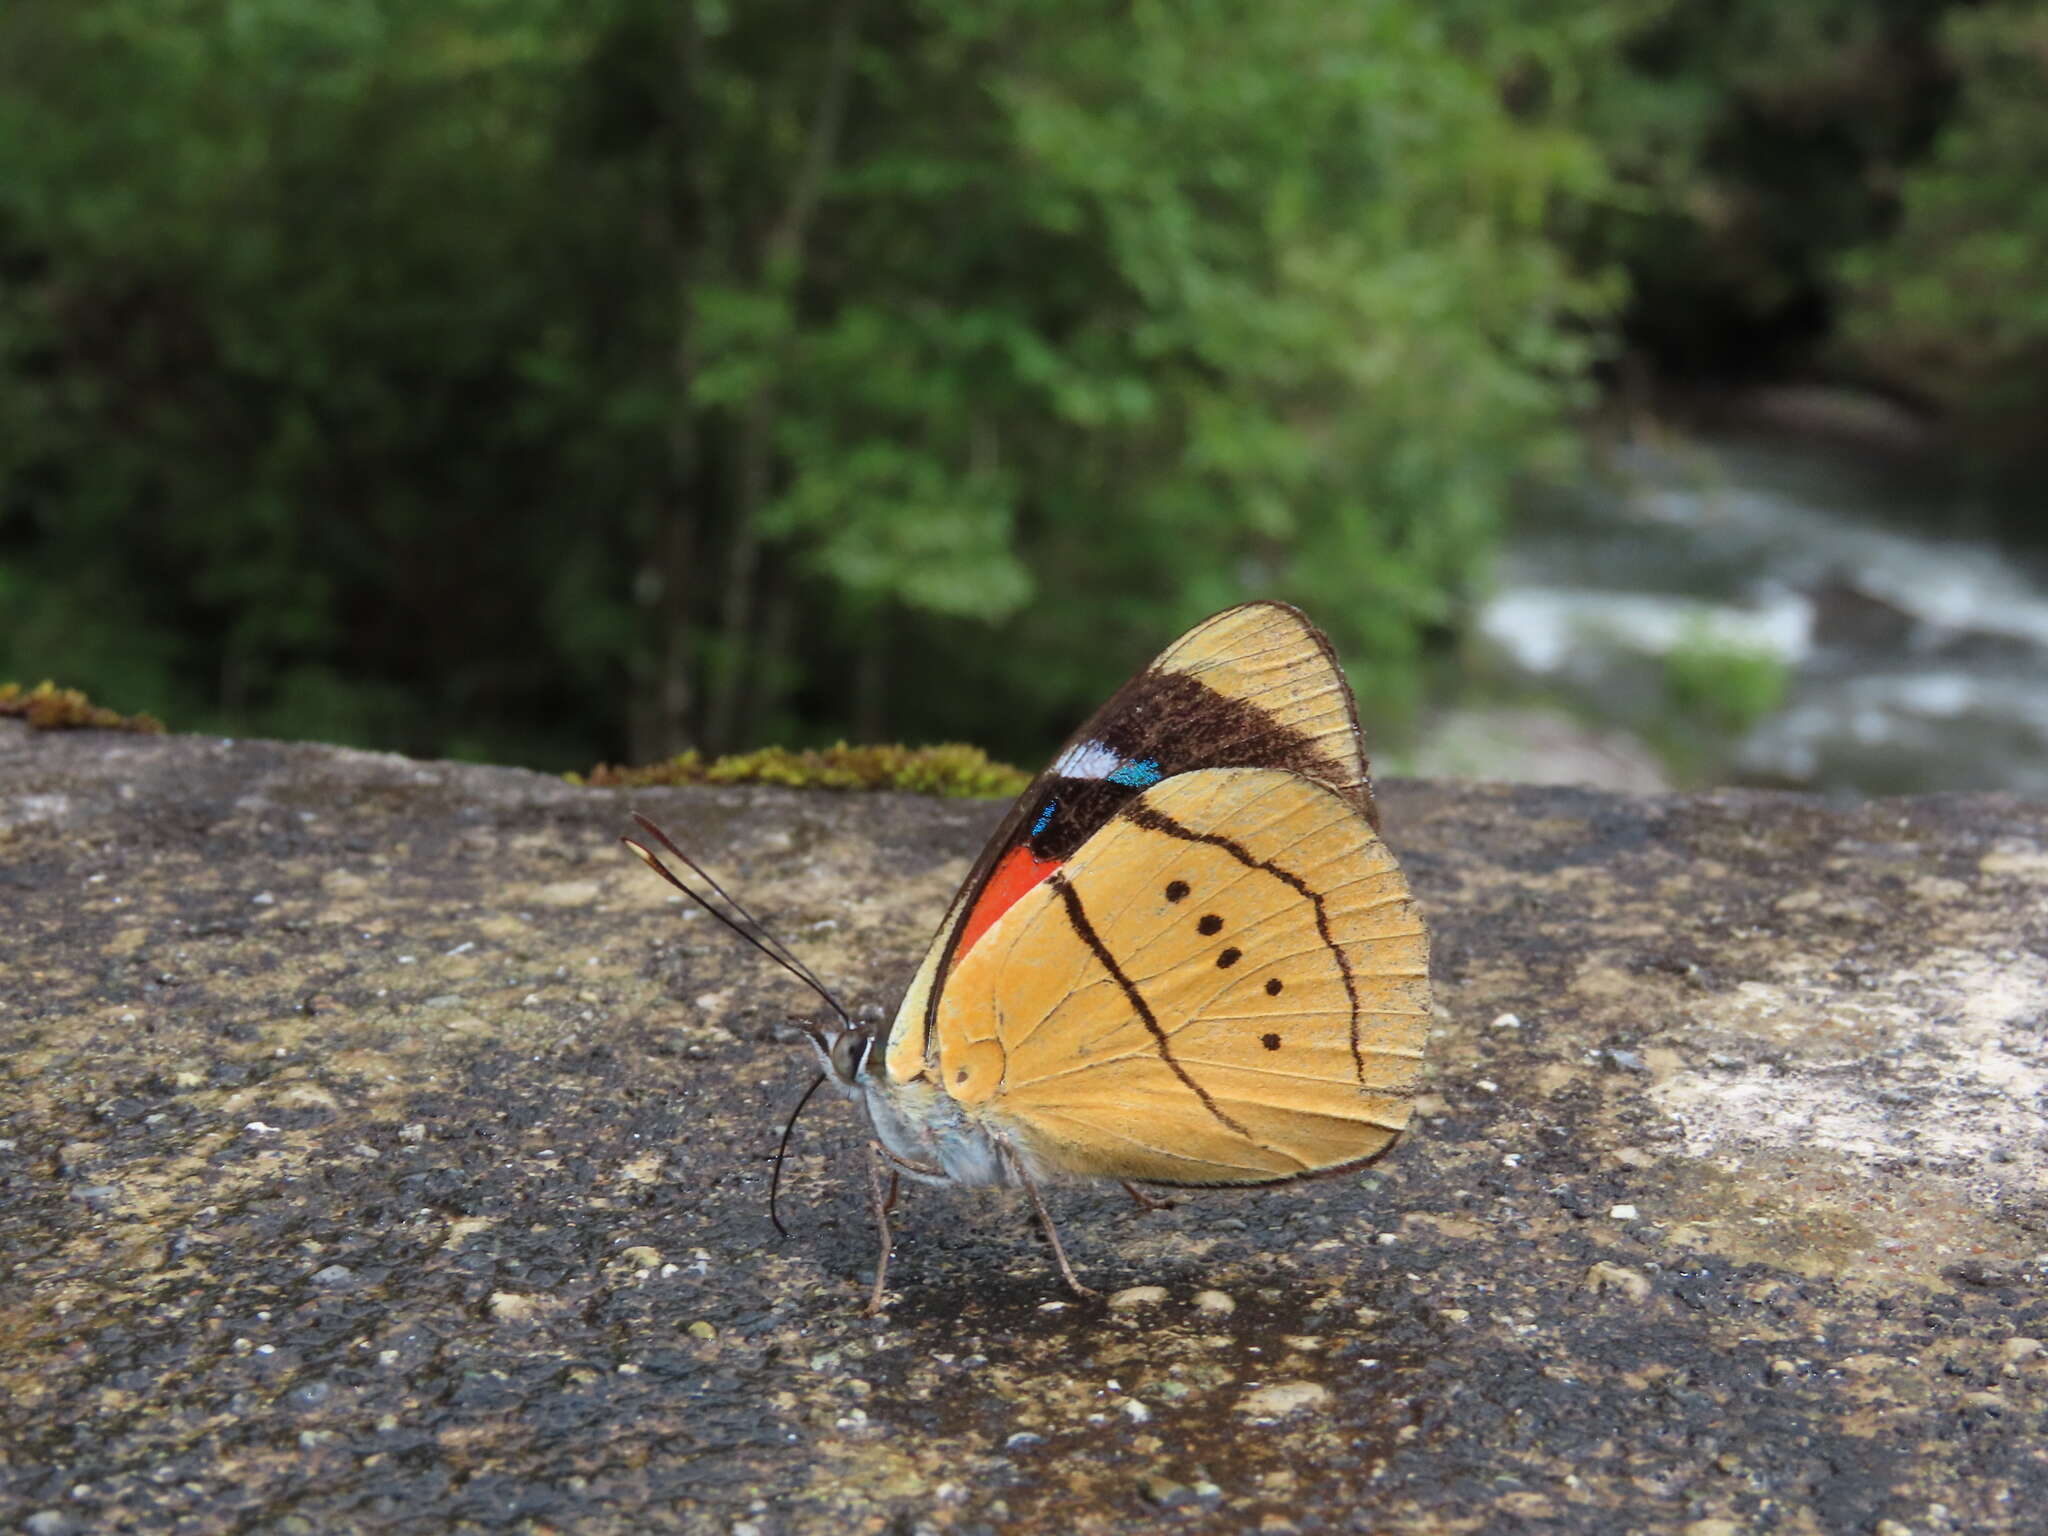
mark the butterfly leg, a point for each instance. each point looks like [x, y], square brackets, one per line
[1052, 1233]
[1143, 1201]
[884, 1199]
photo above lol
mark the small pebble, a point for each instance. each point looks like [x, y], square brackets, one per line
[511, 1307]
[701, 1330]
[333, 1274]
[414, 1133]
[1283, 1398]
[1622, 1212]
[1136, 1411]
[642, 1257]
[1023, 1439]
[1164, 1491]
[1217, 1302]
[1506, 1021]
[1137, 1296]
[1605, 1279]
[46, 1522]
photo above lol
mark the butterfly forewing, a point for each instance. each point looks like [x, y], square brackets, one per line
[1227, 984]
[1255, 686]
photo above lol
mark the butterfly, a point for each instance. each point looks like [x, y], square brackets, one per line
[1185, 958]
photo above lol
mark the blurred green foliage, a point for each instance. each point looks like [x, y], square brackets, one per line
[1722, 690]
[553, 381]
[1953, 308]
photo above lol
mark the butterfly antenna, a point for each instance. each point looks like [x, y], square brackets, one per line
[754, 929]
[746, 925]
[782, 1150]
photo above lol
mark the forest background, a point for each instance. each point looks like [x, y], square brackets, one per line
[551, 382]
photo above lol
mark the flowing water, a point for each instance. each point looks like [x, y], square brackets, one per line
[1889, 643]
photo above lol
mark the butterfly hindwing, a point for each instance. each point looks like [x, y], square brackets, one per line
[1255, 686]
[1226, 985]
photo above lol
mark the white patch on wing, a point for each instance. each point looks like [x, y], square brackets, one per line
[1089, 760]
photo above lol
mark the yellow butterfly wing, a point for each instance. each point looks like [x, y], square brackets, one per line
[1227, 984]
[1254, 686]
[1270, 656]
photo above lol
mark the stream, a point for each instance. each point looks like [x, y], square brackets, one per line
[1890, 644]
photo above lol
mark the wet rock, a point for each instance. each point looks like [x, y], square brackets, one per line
[1830, 1275]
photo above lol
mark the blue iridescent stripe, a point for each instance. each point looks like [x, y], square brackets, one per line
[1138, 775]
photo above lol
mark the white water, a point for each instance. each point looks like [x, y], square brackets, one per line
[1918, 653]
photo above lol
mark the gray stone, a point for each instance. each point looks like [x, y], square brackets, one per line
[1816, 1276]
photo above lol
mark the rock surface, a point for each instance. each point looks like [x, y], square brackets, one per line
[382, 1148]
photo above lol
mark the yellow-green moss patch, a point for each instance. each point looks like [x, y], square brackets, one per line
[46, 707]
[951, 769]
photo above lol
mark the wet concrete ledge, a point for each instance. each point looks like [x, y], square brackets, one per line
[381, 1149]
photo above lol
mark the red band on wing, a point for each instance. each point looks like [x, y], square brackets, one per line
[1014, 874]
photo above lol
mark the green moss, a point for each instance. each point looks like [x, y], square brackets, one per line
[46, 707]
[951, 770]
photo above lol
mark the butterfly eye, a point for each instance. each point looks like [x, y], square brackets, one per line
[849, 1054]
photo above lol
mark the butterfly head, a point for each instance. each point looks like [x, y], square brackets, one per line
[842, 1047]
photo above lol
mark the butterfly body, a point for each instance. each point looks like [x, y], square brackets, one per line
[928, 1135]
[1184, 958]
